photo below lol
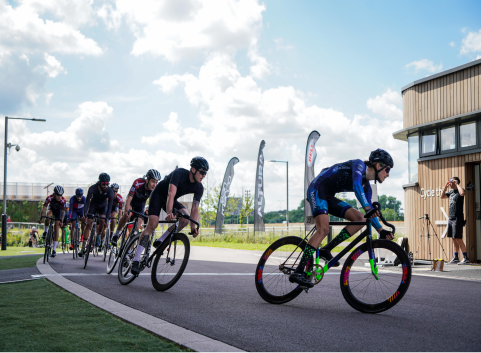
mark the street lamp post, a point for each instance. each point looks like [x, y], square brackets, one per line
[8, 145]
[287, 188]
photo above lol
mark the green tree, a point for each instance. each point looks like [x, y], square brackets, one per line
[247, 207]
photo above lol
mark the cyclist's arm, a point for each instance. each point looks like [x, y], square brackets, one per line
[127, 204]
[111, 201]
[88, 199]
[170, 198]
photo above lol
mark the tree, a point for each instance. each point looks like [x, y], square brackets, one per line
[208, 206]
[247, 207]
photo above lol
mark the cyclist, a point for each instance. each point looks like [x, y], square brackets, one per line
[99, 201]
[353, 175]
[33, 236]
[116, 206]
[77, 203]
[56, 207]
[178, 183]
[138, 195]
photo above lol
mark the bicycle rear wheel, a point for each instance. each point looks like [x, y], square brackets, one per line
[126, 259]
[167, 270]
[276, 264]
[362, 290]
[64, 241]
[48, 246]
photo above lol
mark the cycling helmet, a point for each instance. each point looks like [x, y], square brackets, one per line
[104, 177]
[114, 186]
[67, 204]
[153, 174]
[58, 190]
[33, 228]
[79, 192]
[380, 156]
[199, 163]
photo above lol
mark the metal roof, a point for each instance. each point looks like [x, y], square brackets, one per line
[447, 72]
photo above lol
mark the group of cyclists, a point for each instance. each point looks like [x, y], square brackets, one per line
[103, 199]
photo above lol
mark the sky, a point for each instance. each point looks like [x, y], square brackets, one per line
[128, 86]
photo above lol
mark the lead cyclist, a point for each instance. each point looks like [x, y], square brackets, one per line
[353, 175]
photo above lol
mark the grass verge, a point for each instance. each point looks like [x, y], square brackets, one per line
[39, 316]
[18, 262]
[20, 250]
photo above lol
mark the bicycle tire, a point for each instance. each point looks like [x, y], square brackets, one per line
[105, 244]
[157, 281]
[126, 259]
[382, 294]
[115, 250]
[88, 247]
[279, 290]
[48, 247]
[75, 244]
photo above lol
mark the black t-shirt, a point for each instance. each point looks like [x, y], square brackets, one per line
[99, 197]
[456, 204]
[180, 178]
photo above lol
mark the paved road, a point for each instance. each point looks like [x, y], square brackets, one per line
[435, 315]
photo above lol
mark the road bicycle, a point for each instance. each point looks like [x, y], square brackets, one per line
[104, 247]
[75, 237]
[117, 248]
[91, 241]
[369, 284]
[169, 258]
[65, 240]
[48, 238]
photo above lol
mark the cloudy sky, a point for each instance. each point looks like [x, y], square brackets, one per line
[130, 85]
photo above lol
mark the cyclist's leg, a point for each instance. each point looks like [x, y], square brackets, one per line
[86, 233]
[113, 214]
[56, 235]
[343, 210]
[47, 222]
[73, 240]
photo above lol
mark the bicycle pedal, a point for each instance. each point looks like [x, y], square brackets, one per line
[305, 289]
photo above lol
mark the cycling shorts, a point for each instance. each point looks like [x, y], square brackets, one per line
[158, 202]
[56, 212]
[76, 214]
[95, 208]
[323, 201]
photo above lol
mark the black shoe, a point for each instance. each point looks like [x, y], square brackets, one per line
[326, 255]
[114, 240]
[300, 278]
[135, 270]
[81, 253]
[465, 261]
[455, 260]
[54, 253]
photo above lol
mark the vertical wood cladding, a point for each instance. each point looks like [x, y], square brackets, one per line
[443, 97]
[425, 198]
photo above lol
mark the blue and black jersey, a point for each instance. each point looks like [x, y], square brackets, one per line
[348, 176]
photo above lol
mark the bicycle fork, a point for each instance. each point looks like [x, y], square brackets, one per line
[372, 257]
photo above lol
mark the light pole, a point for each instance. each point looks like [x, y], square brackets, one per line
[248, 192]
[17, 148]
[287, 188]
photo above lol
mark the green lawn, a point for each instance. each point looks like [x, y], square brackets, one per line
[18, 262]
[20, 250]
[39, 316]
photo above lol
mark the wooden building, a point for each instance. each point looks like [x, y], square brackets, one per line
[442, 125]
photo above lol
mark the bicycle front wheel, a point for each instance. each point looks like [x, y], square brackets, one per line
[88, 247]
[126, 259]
[276, 264]
[168, 269]
[105, 244]
[48, 246]
[360, 287]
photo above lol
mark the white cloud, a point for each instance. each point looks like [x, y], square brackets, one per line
[52, 66]
[452, 44]
[236, 114]
[111, 18]
[478, 57]
[179, 29]
[471, 43]
[280, 45]
[425, 64]
[387, 105]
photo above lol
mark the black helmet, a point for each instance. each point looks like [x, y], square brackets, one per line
[79, 192]
[199, 163]
[104, 177]
[153, 174]
[381, 156]
[114, 186]
[58, 190]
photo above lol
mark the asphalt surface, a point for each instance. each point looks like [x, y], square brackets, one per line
[219, 300]
[18, 274]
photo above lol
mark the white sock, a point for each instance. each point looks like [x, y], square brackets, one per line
[138, 253]
[55, 243]
[162, 238]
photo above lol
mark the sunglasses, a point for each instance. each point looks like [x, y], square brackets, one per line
[104, 183]
[202, 172]
[385, 167]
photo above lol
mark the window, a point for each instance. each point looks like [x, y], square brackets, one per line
[448, 138]
[467, 134]
[413, 155]
[429, 142]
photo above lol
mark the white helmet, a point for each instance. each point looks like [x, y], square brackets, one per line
[33, 228]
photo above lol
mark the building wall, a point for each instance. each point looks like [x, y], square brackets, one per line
[450, 95]
[433, 175]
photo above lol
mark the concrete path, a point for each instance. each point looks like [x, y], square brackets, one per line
[216, 301]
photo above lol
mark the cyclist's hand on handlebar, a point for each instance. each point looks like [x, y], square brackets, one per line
[375, 214]
[170, 217]
[40, 221]
[194, 231]
[385, 234]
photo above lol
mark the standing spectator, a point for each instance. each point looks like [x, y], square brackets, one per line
[456, 218]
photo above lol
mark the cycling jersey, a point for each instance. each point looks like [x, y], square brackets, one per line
[76, 207]
[33, 233]
[179, 178]
[99, 201]
[342, 177]
[55, 205]
[118, 202]
[139, 190]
